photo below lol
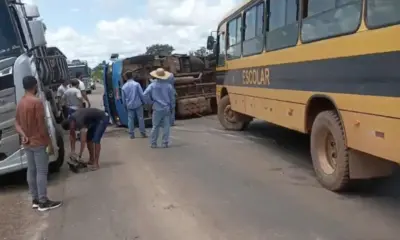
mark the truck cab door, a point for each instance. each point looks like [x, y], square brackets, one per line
[117, 85]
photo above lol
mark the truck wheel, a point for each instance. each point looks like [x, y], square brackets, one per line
[228, 118]
[55, 166]
[329, 152]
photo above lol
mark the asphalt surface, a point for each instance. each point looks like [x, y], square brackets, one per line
[211, 184]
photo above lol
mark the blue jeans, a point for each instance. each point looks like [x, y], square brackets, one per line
[96, 131]
[71, 111]
[38, 167]
[160, 118]
[172, 120]
[132, 114]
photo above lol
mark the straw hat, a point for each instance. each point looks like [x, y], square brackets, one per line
[160, 73]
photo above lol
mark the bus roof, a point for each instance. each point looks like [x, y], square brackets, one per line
[234, 10]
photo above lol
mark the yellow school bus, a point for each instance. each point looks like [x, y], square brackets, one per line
[328, 68]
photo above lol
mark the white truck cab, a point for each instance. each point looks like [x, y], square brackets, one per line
[23, 53]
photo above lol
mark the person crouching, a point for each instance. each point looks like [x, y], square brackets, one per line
[92, 123]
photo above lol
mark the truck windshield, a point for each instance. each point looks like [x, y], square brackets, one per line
[84, 70]
[9, 44]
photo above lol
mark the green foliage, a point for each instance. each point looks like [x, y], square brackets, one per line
[97, 72]
[159, 49]
[201, 52]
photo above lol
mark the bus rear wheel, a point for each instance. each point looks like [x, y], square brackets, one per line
[228, 118]
[330, 155]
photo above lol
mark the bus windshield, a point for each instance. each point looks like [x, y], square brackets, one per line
[9, 44]
[84, 70]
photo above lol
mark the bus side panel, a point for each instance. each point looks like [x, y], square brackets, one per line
[285, 114]
[373, 134]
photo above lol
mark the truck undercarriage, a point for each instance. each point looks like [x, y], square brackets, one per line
[194, 81]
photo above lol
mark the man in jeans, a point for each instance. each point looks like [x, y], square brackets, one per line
[161, 95]
[30, 123]
[132, 95]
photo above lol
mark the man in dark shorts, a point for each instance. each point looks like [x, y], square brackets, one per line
[92, 123]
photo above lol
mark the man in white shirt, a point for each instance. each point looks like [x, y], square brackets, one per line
[82, 88]
[60, 92]
[72, 97]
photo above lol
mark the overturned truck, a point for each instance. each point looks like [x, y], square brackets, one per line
[194, 80]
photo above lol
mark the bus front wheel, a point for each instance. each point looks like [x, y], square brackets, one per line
[330, 155]
[228, 118]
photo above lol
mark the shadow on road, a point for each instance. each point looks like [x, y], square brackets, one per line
[17, 181]
[298, 145]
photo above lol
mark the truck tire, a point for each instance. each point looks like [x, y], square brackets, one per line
[228, 118]
[89, 91]
[55, 166]
[329, 152]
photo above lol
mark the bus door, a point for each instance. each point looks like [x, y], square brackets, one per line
[108, 97]
[117, 86]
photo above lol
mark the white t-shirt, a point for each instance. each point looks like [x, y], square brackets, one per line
[73, 98]
[61, 89]
[81, 85]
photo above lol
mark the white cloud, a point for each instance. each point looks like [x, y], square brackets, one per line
[184, 26]
[75, 10]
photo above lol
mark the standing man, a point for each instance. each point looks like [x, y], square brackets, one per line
[30, 123]
[83, 89]
[132, 95]
[161, 95]
[60, 92]
[72, 97]
[92, 123]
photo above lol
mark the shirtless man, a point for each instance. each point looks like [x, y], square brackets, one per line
[92, 123]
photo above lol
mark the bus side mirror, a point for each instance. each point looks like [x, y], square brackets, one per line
[32, 11]
[210, 42]
[38, 34]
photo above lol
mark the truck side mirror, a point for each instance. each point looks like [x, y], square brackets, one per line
[210, 42]
[32, 11]
[38, 34]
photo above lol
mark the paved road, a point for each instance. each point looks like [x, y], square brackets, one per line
[210, 184]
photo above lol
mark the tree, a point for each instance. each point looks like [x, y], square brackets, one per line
[201, 52]
[159, 49]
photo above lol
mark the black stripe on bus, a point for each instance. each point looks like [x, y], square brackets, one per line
[373, 74]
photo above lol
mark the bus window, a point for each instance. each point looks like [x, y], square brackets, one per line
[221, 48]
[253, 41]
[329, 18]
[381, 13]
[234, 38]
[283, 24]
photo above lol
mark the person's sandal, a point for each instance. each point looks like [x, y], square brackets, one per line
[92, 167]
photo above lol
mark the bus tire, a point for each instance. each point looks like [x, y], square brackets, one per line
[56, 165]
[228, 118]
[329, 152]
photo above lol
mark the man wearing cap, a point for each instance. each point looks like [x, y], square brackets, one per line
[161, 95]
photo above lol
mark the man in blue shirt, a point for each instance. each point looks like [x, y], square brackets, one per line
[161, 96]
[132, 95]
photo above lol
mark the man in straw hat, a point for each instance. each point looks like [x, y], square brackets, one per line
[161, 95]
